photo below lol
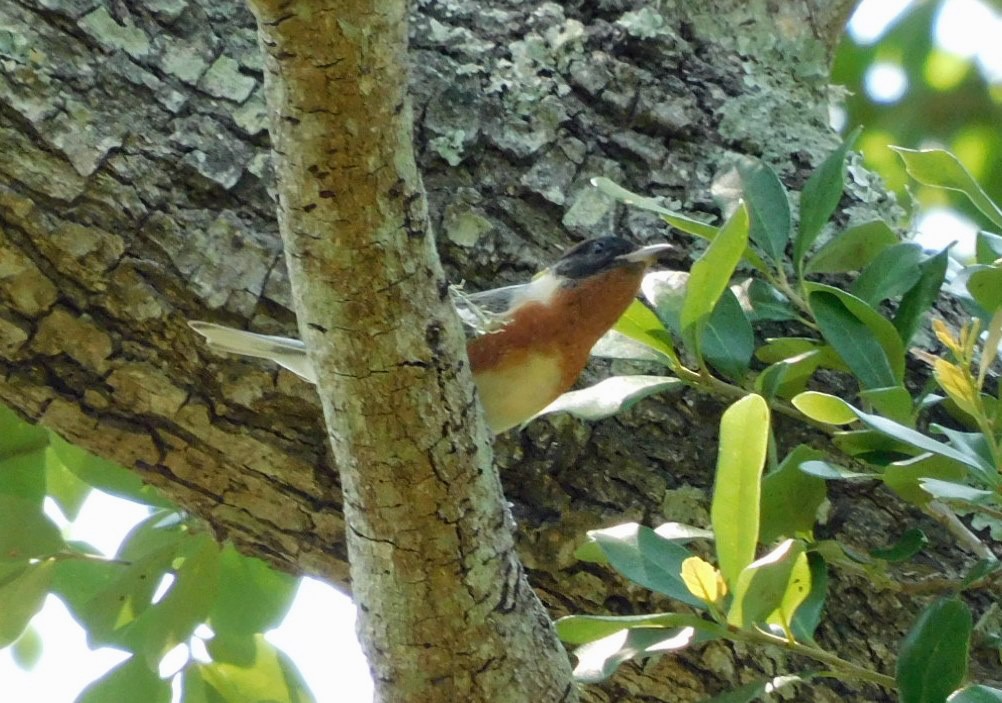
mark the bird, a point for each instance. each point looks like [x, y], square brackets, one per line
[534, 338]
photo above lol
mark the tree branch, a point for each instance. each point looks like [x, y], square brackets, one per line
[445, 611]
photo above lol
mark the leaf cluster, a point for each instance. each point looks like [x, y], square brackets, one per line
[768, 583]
[169, 587]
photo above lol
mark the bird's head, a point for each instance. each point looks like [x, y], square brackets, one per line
[601, 254]
[586, 261]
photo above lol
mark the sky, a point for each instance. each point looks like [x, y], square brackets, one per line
[318, 633]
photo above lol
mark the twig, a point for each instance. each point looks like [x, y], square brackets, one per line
[840, 667]
[942, 514]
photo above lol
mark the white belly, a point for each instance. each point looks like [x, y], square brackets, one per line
[512, 397]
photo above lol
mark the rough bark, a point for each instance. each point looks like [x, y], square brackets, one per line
[445, 611]
[134, 194]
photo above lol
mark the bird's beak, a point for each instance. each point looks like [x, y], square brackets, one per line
[646, 254]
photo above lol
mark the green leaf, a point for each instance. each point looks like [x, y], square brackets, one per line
[666, 291]
[582, 629]
[28, 649]
[680, 532]
[640, 555]
[926, 444]
[820, 197]
[129, 681]
[598, 660]
[23, 475]
[941, 169]
[828, 471]
[22, 594]
[767, 303]
[76, 581]
[853, 249]
[19, 437]
[955, 492]
[768, 207]
[917, 301]
[894, 272]
[63, 486]
[769, 383]
[108, 615]
[616, 345]
[686, 224]
[640, 324]
[881, 329]
[908, 545]
[823, 407]
[194, 689]
[785, 347]
[25, 531]
[680, 222]
[611, 396]
[981, 569]
[972, 444]
[988, 247]
[105, 475]
[744, 439]
[253, 597]
[712, 271]
[185, 605]
[22, 457]
[163, 528]
[932, 662]
[894, 402]
[904, 477]
[590, 552]
[870, 444]
[762, 585]
[728, 341]
[790, 498]
[788, 378]
[985, 286]
[798, 588]
[867, 342]
[977, 694]
[808, 615]
[261, 673]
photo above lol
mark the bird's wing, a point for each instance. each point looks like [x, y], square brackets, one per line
[485, 311]
[481, 312]
[286, 352]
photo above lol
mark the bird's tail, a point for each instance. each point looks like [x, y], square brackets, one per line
[286, 352]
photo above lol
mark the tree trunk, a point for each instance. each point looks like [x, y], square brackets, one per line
[445, 611]
[135, 195]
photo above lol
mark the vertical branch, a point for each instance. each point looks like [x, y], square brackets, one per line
[445, 611]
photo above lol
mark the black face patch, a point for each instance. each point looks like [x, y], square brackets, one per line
[592, 255]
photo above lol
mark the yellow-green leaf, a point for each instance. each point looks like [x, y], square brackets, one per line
[702, 580]
[762, 585]
[958, 385]
[823, 407]
[744, 439]
[798, 587]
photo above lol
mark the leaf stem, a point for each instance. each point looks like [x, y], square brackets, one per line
[783, 284]
[840, 667]
[711, 384]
